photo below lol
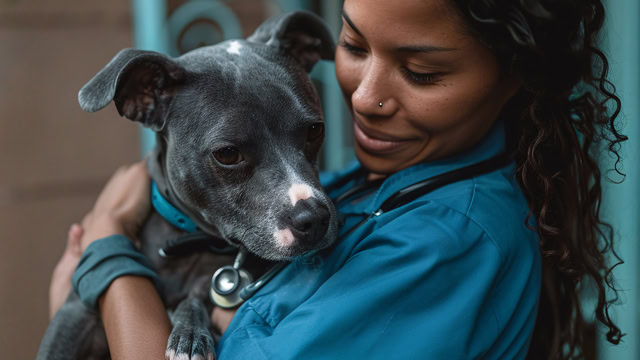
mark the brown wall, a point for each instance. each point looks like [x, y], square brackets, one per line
[54, 158]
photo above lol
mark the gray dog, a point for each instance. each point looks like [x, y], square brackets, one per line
[239, 128]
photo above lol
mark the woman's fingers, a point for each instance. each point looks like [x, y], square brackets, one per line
[60, 285]
[121, 207]
[73, 240]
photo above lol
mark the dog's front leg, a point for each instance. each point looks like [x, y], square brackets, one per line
[190, 337]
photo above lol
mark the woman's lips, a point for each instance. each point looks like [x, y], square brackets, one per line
[372, 144]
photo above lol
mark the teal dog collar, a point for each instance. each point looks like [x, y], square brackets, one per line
[170, 212]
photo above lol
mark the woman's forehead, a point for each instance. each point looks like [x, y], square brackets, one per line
[405, 20]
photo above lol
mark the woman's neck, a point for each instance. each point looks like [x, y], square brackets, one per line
[373, 177]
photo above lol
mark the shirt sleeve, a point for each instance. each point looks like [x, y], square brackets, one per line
[418, 287]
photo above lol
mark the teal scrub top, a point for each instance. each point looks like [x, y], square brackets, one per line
[455, 274]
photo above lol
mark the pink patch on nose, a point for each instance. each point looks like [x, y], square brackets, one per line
[299, 192]
[284, 237]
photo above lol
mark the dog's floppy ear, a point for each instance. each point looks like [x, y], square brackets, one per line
[301, 34]
[140, 83]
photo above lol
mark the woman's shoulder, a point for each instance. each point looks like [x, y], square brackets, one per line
[487, 208]
[499, 206]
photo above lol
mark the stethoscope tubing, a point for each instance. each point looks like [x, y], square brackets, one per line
[252, 288]
[398, 199]
[412, 192]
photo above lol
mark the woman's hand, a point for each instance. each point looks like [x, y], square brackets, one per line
[61, 279]
[122, 206]
[221, 318]
[132, 312]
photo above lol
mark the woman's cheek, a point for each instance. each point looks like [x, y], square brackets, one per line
[434, 107]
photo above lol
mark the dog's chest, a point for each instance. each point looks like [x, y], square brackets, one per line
[189, 275]
[182, 276]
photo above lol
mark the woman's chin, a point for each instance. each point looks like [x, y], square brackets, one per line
[382, 164]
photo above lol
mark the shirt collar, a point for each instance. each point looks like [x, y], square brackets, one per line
[491, 145]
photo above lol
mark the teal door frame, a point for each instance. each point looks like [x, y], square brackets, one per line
[621, 201]
[150, 33]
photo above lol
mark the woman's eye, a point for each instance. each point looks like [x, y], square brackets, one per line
[315, 132]
[228, 156]
[352, 49]
[421, 78]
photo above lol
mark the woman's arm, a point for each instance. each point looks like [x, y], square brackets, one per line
[134, 317]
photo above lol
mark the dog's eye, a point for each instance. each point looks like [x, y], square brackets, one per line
[315, 132]
[228, 156]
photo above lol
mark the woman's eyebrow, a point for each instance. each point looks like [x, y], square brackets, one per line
[423, 49]
[348, 20]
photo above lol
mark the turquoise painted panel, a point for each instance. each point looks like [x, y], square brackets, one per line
[291, 5]
[621, 206]
[150, 33]
[337, 153]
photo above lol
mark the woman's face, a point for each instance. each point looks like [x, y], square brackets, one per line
[440, 89]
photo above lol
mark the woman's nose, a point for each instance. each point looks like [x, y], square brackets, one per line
[373, 96]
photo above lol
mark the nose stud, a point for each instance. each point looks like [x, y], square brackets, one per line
[380, 104]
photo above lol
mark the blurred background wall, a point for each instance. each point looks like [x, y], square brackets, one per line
[54, 158]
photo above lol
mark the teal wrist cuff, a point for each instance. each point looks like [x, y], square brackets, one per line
[105, 260]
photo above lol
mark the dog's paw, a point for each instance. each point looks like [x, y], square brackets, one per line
[190, 343]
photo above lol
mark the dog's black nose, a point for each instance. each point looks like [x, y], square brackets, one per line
[310, 220]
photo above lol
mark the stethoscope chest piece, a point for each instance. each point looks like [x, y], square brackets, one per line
[227, 282]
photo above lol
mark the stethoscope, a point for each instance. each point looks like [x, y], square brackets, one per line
[232, 285]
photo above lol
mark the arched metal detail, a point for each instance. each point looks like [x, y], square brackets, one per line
[206, 22]
[188, 20]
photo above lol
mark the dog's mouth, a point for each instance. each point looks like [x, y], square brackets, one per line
[282, 245]
[300, 249]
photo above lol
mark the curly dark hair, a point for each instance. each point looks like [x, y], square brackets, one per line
[557, 125]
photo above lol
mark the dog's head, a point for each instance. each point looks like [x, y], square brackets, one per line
[239, 128]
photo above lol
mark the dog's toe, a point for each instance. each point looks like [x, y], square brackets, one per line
[188, 343]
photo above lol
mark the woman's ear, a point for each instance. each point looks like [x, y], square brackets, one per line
[511, 85]
[302, 35]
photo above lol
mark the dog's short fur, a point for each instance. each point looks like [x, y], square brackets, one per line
[249, 100]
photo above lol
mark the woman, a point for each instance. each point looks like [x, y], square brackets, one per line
[486, 267]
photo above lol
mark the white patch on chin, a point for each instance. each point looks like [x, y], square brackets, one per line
[284, 237]
[234, 48]
[299, 192]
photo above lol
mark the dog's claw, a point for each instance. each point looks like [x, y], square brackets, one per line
[189, 343]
